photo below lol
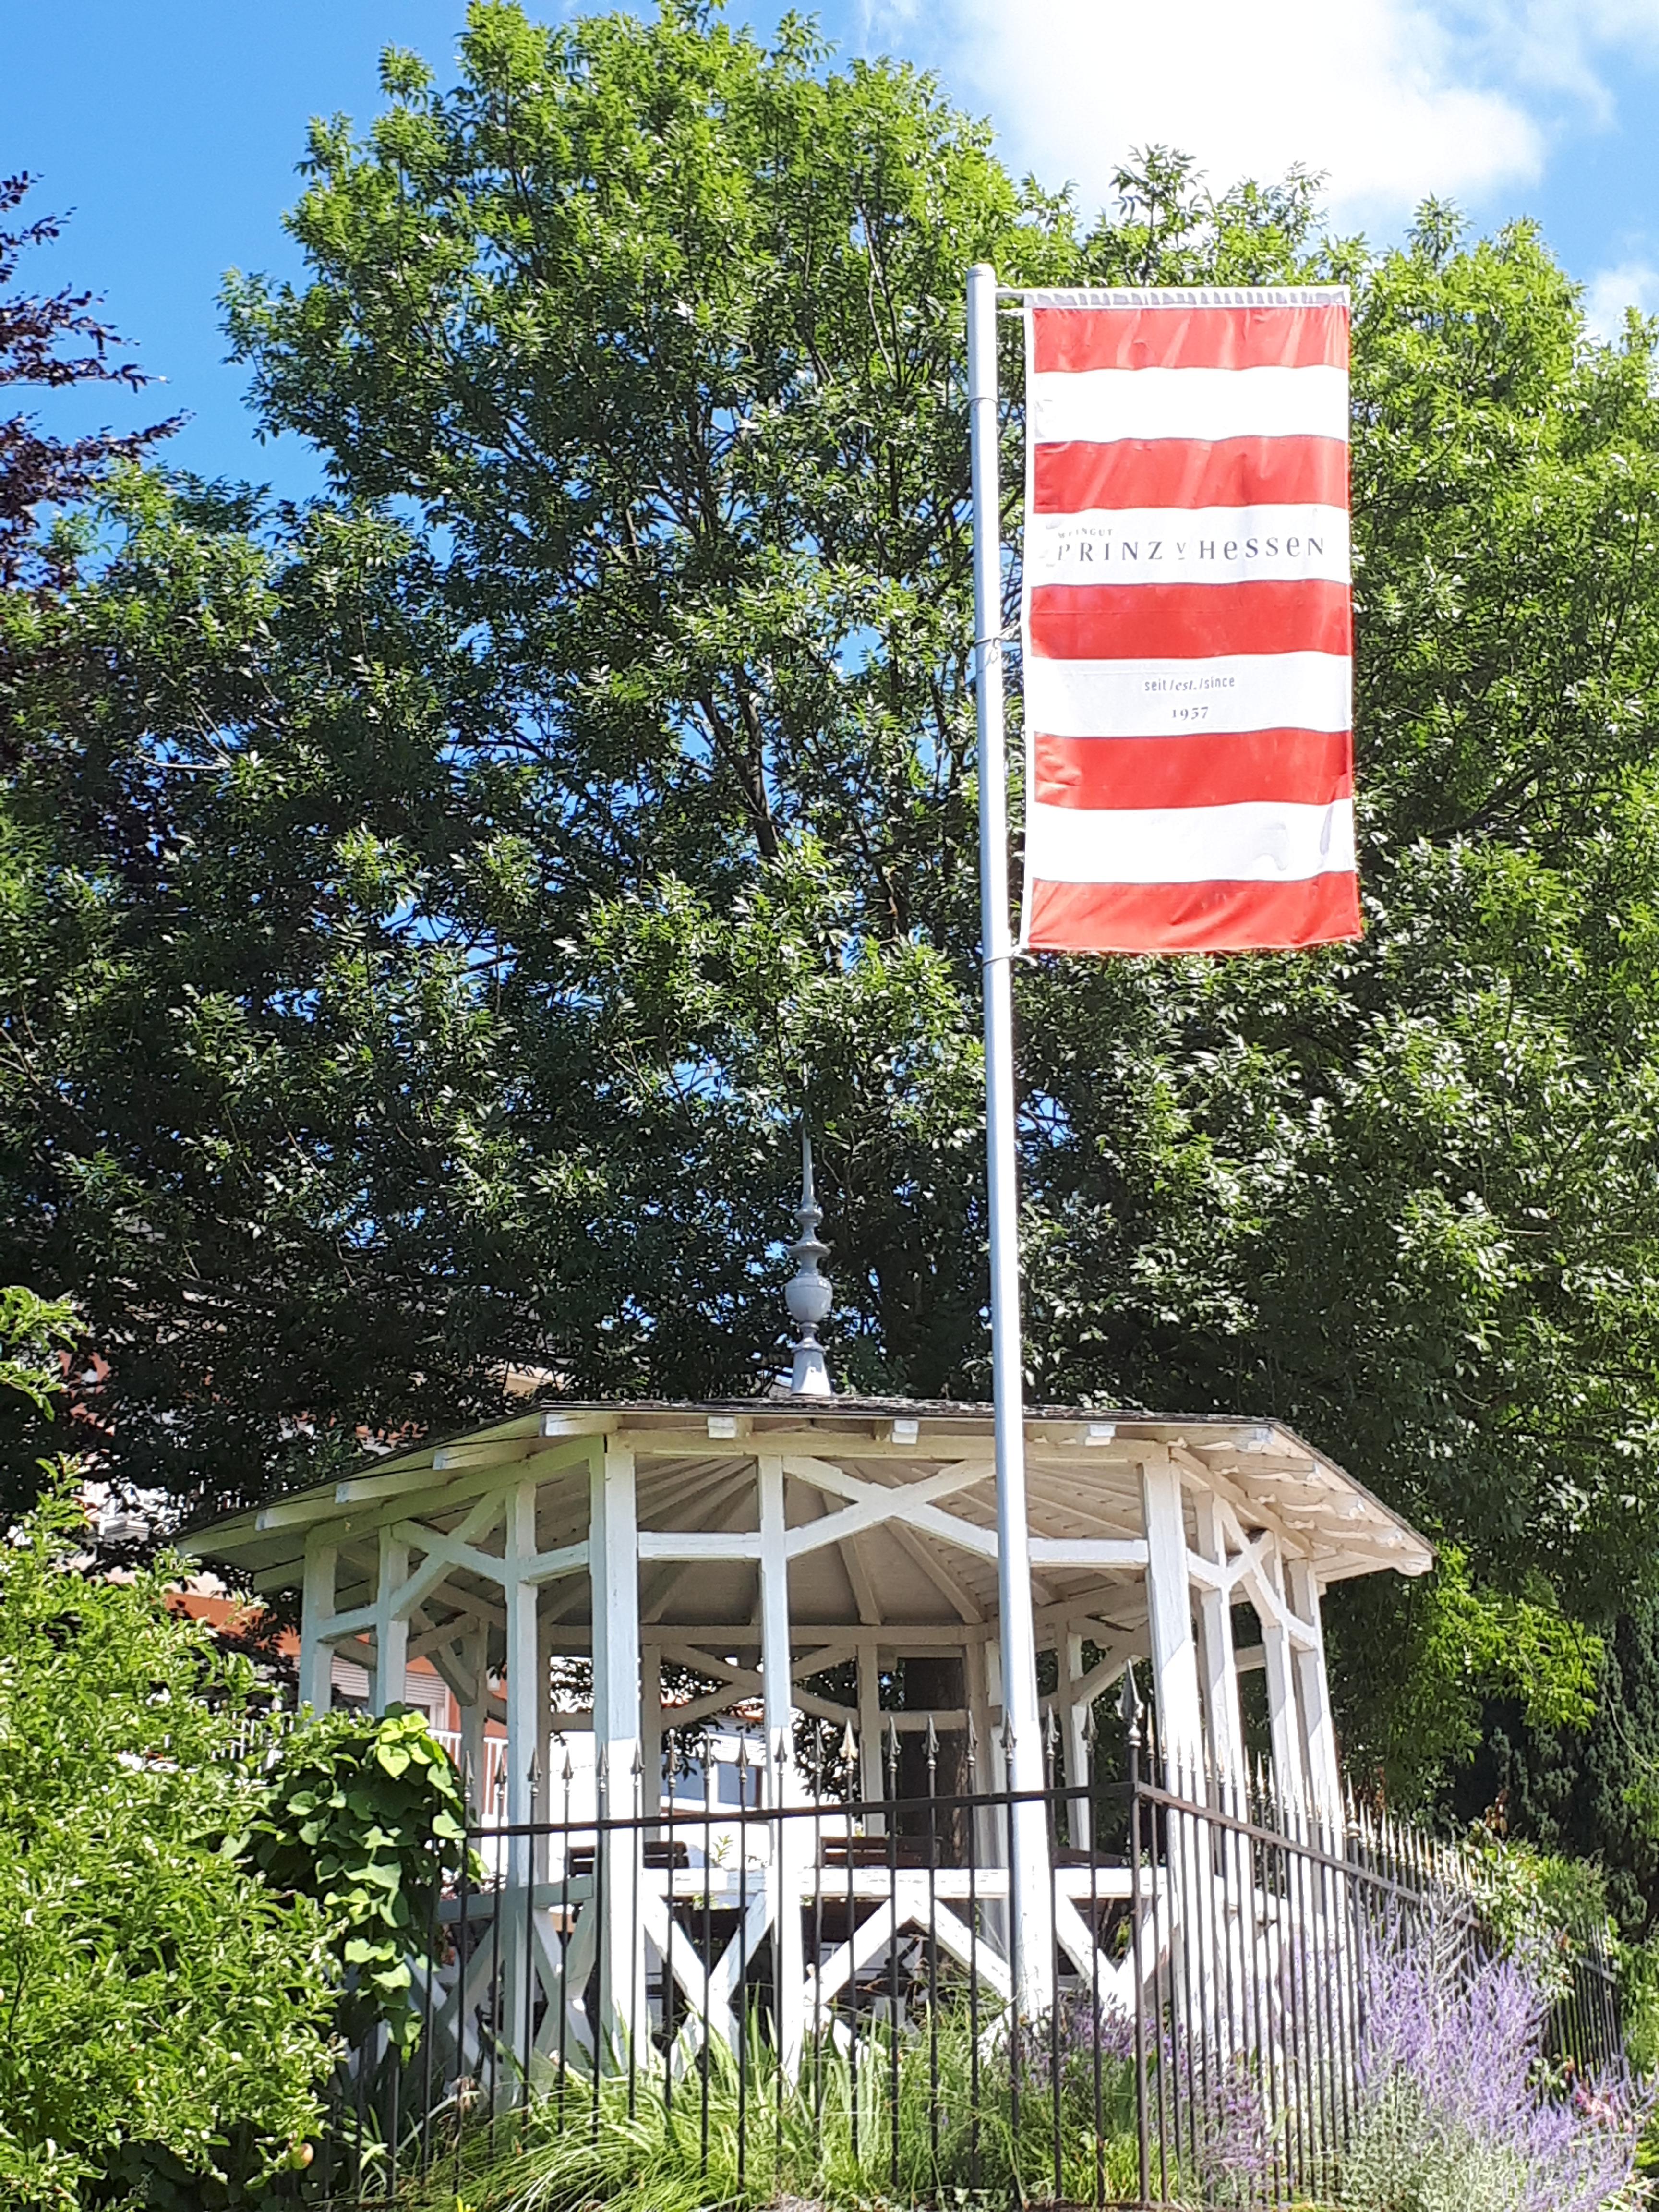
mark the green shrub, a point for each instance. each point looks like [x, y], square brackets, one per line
[364, 1814]
[165, 2013]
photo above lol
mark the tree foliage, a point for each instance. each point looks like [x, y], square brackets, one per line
[1591, 1791]
[419, 937]
[30, 1330]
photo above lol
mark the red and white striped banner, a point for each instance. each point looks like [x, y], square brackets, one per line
[1187, 626]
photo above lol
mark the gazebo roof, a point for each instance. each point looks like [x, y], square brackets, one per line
[695, 1464]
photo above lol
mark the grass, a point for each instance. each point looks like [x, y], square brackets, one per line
[748, 2136]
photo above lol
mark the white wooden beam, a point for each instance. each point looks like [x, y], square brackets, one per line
[1075, 1742]
[870, 1778]
[1087, 1551]
[453, 1552]
[554, 1424]
[445, 1552]
[505, 1451]
[1106, 1669]
[390, 1627]
[1174, 1661]
[693, 1444]
[337, 1626]
[730, 1496]
[525, 1695]
[652, 1715]
[613, 1533]
[553, 1566]
[1282, 1724]
[316, 1655]
[1223, 1714]
[774, 1555]
[880, 1504]
[526, 1704]
[475, 1713]
[967, 1606]
[699, 1544]
[900, 1503]
[858, 1576]
[794, 1840]
[1250, 1510]
[1313, 1693]
[405, 1492]
[1261, 1583]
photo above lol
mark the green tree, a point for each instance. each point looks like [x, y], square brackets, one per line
[253, 1110]
[1591, 1791]
[486, 896]
[693, 437]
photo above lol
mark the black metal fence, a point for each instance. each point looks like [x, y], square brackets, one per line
[778, 1994]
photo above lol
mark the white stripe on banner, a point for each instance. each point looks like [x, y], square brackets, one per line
[1188, 545]
[1174, 698]
[1096, 406]
[1255, 842]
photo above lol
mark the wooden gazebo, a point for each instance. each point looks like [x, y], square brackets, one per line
[761, 1544]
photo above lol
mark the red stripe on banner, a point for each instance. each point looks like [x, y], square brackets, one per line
[1068, 479]
[1189, 337]
[1293, 768]
[1216, 917]
[1189, 622]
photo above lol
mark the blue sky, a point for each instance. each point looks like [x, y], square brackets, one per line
[171, 128]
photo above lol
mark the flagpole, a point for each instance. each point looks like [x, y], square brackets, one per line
[1032, 1919]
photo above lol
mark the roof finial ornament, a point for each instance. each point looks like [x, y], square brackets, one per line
[808, 1293]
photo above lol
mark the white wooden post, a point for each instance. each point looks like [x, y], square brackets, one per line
[1227, 2009]
[1175, 1659]
[542, 1794]
[526, 1693]
[987, 1829]
[793, 1839]
[317, 1606]
[651, 1730]
[1314, 1693]
[613, 1565]
[475, 1713]
[523, 1700]
[1282, 1724]
[998, 1763]
[870, 1779]
[775, 1623]
[390, 1629]
[1224, 1716]
[1079, 1812]
[998, 1922]
[1175, 1688]
[1324, 1904]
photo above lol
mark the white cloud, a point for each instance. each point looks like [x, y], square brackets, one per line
[1632, 284]
[1391, 98]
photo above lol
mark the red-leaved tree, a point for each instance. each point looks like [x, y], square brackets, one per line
[49, 340]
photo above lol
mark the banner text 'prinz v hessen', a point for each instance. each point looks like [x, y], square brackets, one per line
[1187, 624]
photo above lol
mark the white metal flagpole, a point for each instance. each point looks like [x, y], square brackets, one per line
[1032, 1920]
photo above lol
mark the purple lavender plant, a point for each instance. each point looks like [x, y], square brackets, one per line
[1221, 2126]
[1455, 2101]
